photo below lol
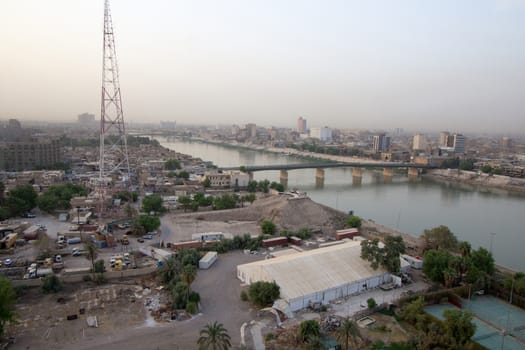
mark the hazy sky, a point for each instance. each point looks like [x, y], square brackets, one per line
[444, 64]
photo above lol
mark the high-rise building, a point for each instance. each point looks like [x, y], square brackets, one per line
[21, 151]
[443, 138]
[168, 124]
[324, 134]
[506, 143]
[458, 143]
[420, 142]
[86, 118]
[381, 143]
[251, 130]
[301, 125]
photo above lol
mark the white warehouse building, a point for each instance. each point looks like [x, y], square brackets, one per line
[319, 275]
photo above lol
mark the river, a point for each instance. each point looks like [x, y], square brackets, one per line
[481, 216]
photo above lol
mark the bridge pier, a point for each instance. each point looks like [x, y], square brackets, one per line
[388, 172]
[250, 175]
[413, 172]
[356, 172]
[283, 177]
[356, 181]
[319, 173]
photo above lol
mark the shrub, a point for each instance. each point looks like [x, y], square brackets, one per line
[86, 278]
[371, 303]
[99, 266]
[194, 297]
[269, 336]
[99, 278]
[353, 221]
[191, 308]
[264, 293]
[51, 284]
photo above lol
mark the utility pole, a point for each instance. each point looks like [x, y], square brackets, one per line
[492, 235]
[113, 159]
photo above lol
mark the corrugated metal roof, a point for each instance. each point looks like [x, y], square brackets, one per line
[312, 271]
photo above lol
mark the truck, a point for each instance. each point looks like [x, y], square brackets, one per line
[34, 272]
[74, 240]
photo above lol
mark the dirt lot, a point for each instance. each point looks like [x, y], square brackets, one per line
[285, 212]
[122, 316]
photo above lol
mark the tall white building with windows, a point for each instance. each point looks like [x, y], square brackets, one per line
[324, 134]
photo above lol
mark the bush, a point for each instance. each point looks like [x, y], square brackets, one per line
[244, 295]
[194, 297]
[191, 308]
[99, 266]
[353, 221]
[264, 293]
[86, 278]
[51, 284]
[371, 303]
[269, 336]
[268, 227]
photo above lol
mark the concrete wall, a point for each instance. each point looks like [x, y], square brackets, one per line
[74, 278]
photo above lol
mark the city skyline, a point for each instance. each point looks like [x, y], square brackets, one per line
[379, 65]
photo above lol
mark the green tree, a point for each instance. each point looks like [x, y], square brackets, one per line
[353, 221]
[252, 186]
[189, 273]
[183, 175]
[7, 303]
[251, 197]
[348, 330]
[152, 203]
[268, 227]
[263, 186]
[414, 313]
[459, 326]
[307, 329]
[20, 199]
[214, 337]
[435, 262]
[486, 169]
[172, 164]
[226, 201]
[185, 202]
[2, 193]
[277, 186]
[264, 293]
[440, 238]
[148, 223]
[59, 197]
[371, 302]
[170, 270]
[51, 284]
[91, 253]
[207, 182]
[483, 260]
[387, 256]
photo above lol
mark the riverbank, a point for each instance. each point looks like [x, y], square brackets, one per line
[477, 179]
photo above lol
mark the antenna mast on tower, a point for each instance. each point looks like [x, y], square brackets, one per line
[113, 143]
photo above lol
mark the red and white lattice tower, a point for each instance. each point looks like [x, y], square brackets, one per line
[113, 143]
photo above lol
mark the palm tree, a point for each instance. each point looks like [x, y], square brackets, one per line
[91, 253]
[189, 273]
[170, 269]
[348, 329]
[214, 337]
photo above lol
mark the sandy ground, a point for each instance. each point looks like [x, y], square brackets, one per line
[124, 322]
[478, 179]
[287, 213]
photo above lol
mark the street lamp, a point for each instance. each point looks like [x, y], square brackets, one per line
[492, 234]
[78, 222]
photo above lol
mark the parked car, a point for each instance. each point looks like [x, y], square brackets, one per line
[153, 233]
[8, 262]
[140, 240]
[28, 215]
[148, 236]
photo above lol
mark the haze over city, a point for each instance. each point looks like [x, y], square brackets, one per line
[381, 64]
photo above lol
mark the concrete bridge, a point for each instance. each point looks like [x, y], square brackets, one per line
[388, 169]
